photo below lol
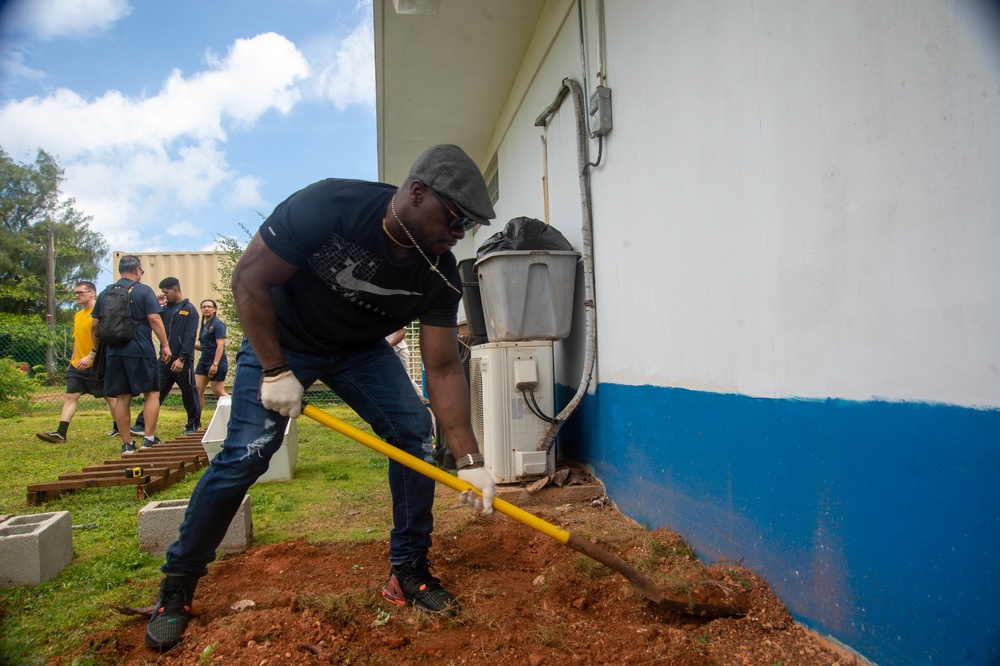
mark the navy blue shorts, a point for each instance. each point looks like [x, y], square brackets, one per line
[131, 375]
[81, 381]
[220, 373]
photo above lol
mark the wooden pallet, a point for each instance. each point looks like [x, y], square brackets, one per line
[159, 467]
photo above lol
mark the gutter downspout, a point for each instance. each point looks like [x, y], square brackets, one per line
[590, 308]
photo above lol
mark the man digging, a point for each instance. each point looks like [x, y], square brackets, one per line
[334, 269]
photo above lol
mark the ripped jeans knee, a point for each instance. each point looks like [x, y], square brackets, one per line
[258, 447]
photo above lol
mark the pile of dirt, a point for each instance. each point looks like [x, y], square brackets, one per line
[526, 599]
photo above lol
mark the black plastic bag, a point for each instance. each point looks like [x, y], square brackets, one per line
[525, 233]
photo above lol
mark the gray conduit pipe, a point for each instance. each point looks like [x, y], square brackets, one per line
[590, 310]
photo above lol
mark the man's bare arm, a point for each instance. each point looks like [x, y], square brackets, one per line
[447, 388]
[256, 272]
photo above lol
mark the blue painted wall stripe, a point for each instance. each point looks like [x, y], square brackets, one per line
[875, 522]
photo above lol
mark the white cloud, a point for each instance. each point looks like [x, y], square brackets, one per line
[137, 163]
[256, 76]
[347, 74]
[12, 64]
[245, 193]
[24, 22]
[127, 159]
[184, 229]
[48, 19]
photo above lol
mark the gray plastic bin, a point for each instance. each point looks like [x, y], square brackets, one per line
[527, 294]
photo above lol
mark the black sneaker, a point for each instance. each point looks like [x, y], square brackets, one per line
[150, 443]
[172, 612]
[112, 433]
[53, 437]
[189, 431]
[412, 583]
[128, 447]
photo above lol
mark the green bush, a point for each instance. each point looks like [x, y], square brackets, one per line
[41, 377]
[27, 339]
[16, 388]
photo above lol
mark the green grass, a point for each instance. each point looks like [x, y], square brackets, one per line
[348, 608]
[339, 493]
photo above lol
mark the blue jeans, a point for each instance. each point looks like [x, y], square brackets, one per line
[373, 382]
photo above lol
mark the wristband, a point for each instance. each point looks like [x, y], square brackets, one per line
[268, 379]
[275, 371]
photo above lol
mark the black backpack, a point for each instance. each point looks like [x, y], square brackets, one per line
[115, 327]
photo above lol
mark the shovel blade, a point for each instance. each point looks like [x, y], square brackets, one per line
[645, 585]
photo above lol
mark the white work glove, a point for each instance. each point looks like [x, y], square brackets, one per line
[282, 393]
[483, 480]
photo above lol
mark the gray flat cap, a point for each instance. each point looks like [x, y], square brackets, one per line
[446, 168]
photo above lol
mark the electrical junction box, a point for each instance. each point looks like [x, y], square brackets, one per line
[600, 111]
[507, 431]
[525, 374]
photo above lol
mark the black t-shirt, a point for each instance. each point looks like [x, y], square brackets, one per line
[349, 289]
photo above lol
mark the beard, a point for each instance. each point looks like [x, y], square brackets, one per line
[415, 235]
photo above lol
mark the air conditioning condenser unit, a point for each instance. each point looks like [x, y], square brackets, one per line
[505, 426]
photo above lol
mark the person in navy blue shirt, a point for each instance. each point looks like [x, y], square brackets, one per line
[132, 368]
[180, 319]
[213, 366]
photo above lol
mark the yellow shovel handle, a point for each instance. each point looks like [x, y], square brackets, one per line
[433, 472]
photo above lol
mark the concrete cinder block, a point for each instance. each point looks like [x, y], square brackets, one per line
[282, 465]
[35, 548]
[160, 525]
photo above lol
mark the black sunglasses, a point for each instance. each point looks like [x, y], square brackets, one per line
[459, 221]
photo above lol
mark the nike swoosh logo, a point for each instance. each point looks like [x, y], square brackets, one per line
[346, 279]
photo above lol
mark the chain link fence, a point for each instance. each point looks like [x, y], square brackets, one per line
[34, 358]
[42, 348]
[415, 366]
[33, 362]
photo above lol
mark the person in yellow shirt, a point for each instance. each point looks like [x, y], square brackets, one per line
[80, 375]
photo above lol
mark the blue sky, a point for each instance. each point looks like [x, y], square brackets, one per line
[177, 121]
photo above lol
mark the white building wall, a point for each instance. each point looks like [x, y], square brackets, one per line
[522, 167]
[797, 199]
